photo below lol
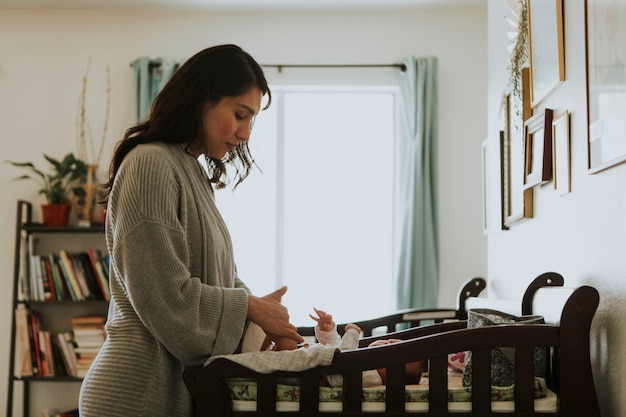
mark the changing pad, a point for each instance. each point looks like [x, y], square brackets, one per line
[244, 394]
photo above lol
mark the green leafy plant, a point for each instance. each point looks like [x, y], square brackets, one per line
[519, 54]
[57, 185]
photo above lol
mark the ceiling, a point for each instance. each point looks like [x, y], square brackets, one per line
[243, 5]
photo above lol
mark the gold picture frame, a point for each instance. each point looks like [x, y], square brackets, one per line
[517, 202]
[546, 51]
[561, 154]
[486, 174]
[538, 149]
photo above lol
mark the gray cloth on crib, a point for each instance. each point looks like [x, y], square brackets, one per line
[284, 360]
[502, 358]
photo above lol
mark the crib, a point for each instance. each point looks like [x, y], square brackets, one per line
[568, 386]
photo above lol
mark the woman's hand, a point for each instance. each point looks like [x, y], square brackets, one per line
[272, 316]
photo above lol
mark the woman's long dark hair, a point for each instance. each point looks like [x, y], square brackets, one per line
[175, 117]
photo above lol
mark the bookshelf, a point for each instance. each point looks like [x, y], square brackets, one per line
[60, 282]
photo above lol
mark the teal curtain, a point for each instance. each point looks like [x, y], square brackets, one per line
[416, 251]
[150, 77]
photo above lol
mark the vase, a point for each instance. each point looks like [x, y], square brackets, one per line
[55, 215]
[85, 205]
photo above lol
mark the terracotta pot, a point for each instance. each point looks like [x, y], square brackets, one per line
[56, 214]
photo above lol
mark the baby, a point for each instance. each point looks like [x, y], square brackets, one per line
[326, 333]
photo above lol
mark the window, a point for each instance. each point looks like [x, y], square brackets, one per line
[318, 218]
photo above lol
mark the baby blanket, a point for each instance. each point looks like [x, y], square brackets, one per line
[266, 362]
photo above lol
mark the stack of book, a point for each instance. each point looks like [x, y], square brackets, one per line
[89, 336]
[40, 353]
[75, 276]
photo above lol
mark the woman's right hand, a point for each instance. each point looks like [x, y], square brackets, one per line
[272, 316]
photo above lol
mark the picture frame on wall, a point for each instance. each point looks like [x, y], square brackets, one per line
[503, 191]
[517, 202]
[605, 24]
[486, 174]
[538, 149]
[561, 155]
[546, 49]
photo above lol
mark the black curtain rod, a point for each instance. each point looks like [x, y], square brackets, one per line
[280, 67]
[401, 67]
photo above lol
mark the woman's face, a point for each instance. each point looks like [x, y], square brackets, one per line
[228, 122]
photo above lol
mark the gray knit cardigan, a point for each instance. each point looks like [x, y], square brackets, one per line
[175, 296]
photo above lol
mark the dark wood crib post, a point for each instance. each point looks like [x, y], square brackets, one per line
[547, 279]
[472, 288]
[574, 354]
[208, 392]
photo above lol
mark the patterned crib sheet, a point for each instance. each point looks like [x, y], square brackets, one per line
[246, 390]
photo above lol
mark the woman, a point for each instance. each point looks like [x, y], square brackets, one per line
[175, 295]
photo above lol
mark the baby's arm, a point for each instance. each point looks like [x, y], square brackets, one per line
[326, 329]
[350, 339]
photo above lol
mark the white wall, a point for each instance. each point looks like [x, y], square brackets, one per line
[43, 56]
[580, 234]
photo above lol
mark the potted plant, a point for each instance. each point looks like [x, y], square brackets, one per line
[57, 186]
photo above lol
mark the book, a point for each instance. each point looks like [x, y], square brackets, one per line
[101, 277]
[63, 279]
[23, 293]
[71, 279]
[60, 366]
[23, 365]
[66, 345]
[89, 333]
[90, 275]
[104, 260]
[49, 291]
[59, 289]
[50, 354]
[56, 413]
[30, 272]
[91, 320]
[34, 344]
[44, 361]
[36, 283]
[80, 275]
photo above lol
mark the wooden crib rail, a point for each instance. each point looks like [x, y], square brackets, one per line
[415, 317]
[415, 332]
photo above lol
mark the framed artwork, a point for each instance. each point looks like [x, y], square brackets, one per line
[605, 22]
[503, 196]
[546, 52]
[561, 158]
[538, 149]
[486, 187]
[517, 202]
